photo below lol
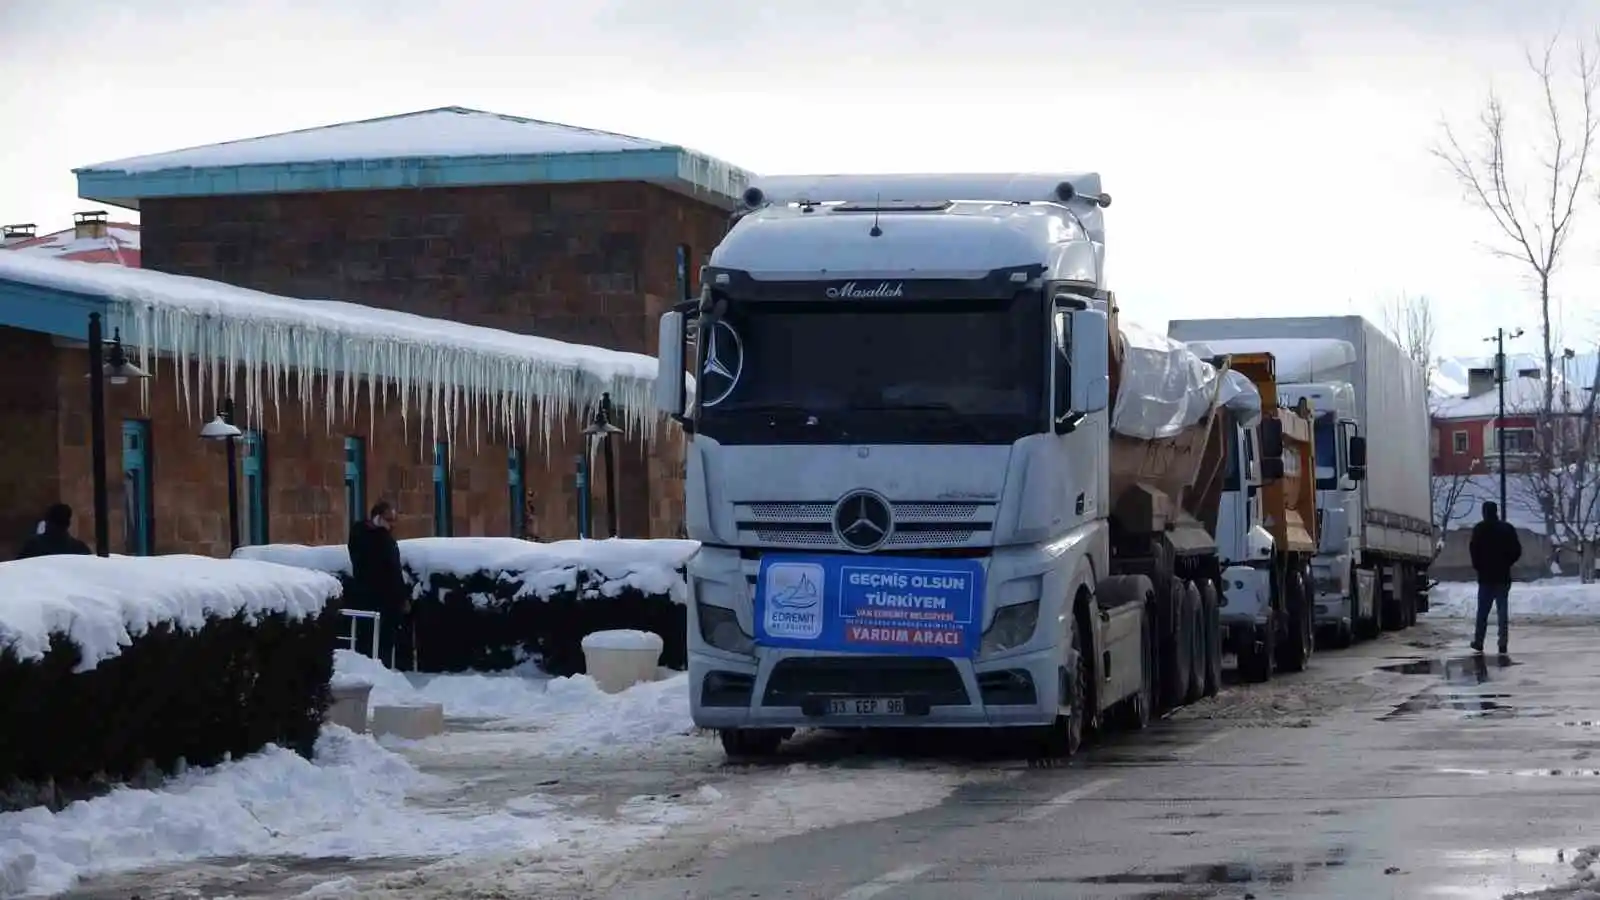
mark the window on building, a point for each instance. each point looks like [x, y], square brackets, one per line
[1519, 440]
[355, 478]
[255, 487]
[1458, 443]
[517, 497]
[442, 518]
[138, 509]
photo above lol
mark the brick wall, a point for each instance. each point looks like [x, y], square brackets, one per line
[29, 418]
[305, 494]
[592, 264]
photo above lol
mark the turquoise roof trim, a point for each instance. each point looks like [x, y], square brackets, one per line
[675, 168]
[446, 147]
[52, 311]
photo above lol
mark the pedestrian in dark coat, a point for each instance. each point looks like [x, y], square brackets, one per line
[379, 583]
[1495, 549]
[55, 538]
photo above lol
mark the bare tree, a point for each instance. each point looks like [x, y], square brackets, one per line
[1564, 476]
[1533, 213]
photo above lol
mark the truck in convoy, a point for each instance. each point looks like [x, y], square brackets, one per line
[934, 482]
[1373, 466]
[1267, 529]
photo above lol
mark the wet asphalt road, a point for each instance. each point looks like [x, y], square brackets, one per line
[1453, 777]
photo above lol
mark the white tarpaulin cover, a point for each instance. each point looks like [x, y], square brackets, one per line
[1165, 387]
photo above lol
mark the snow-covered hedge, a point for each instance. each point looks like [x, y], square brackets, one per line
[487, 603]
[117, 669]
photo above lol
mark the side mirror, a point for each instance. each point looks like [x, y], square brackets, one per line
[1083, 360]
[1356, 452]
[671, 389]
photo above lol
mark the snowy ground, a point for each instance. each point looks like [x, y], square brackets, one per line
[1555, 597]
[538, 784]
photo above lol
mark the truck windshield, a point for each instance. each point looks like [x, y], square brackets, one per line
[945, 372]
[1326, 434]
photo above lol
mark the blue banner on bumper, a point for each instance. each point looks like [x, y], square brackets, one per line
[850, 604]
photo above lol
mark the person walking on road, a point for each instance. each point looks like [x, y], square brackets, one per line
[54, 537]
[380, 583]
[1495, 549]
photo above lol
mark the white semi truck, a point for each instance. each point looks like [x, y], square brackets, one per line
[1373, 460]
[934, 482]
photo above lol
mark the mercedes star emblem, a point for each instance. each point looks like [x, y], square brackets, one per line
[863, 521]
[723, 365]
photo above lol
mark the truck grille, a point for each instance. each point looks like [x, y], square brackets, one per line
[795, 680]
[810, 524]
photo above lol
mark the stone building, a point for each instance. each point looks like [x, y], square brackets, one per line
[453, 215]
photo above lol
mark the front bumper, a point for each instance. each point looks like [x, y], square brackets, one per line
[1246, 597]
[791, 689]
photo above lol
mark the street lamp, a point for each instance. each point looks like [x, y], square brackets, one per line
[1499, 339]
[222, 429]
[599, 431]
[105, 364]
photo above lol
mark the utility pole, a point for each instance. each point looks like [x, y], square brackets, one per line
[1500, 419]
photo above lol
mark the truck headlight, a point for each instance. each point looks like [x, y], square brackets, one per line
[719, 627]
[1012, 627]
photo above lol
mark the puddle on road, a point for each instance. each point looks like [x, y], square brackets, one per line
[1457, 672]
[1216, 874]
[1526, 773]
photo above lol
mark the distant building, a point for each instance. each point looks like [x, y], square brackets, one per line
[551, 242]
[92, 238]
[1464, 434]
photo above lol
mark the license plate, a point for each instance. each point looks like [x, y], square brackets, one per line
[868, 706]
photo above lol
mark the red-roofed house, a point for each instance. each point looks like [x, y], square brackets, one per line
[92, 238]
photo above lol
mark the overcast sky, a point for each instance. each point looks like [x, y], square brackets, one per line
[1265, 156]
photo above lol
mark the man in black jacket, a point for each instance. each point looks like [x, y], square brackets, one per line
[56, 538]
[1495, 549]
[380, 585]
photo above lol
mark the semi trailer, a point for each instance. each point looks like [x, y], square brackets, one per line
[1373, 460]
[1267, 530]
[935, 482]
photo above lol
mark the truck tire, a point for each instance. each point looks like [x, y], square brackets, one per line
[1413, 597]
[1199, 638]
[1294, 654]
[1210, 609]
[751, 743]
[1064, 738]
[1256, 654]
[1177, 647]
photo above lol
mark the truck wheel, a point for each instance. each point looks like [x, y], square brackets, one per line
[1295, 652]
[1413, 597]
[1213, 630]
[1177, 647]
[1136, 710]
[751, 743]
[1064, 738]
[1255, 657]
[1194, 614]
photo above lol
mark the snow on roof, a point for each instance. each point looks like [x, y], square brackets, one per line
[450, 131]
[1524, 395]
[544, 568]
[101, 604]
[118, 246]
[435, 367]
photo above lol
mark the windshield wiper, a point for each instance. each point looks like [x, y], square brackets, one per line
[792, 410]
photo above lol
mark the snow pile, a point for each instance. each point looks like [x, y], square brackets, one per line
[566, 716]
[349, 802]
[337, 351]
[102, 604]
[543, 570]
[1549, 597]
[471, 695]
